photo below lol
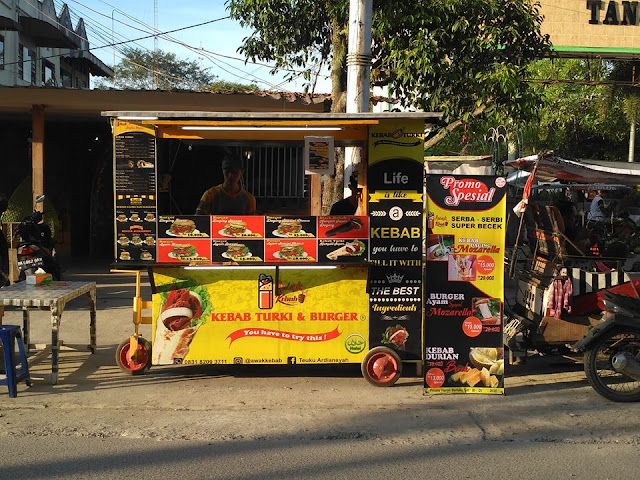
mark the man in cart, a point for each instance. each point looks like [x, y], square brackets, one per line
[230, 197]
[598, 211]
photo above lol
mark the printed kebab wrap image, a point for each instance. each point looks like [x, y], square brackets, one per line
[183, 311]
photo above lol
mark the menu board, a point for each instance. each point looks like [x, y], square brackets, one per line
[258, 239]
[135, 197]
[464, 282]
[395, 185]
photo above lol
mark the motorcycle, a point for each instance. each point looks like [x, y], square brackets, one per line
[4, 247]
[612, 348]
[36, 246]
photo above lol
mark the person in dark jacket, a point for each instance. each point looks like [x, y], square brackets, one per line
[349, 205]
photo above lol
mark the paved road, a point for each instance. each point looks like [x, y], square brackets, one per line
[267, 422]
[92, 458]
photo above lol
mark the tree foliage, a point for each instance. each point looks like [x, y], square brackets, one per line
[459, 57]
[136, 71]
[582, 114]
[446, 55]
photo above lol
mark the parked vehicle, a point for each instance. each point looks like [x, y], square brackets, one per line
[4, 246]
[612, 348]
[36, 247]
[561, 279]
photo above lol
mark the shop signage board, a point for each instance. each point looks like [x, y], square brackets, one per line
[224, 315]
[464, 284]
[395, 185]
[135, 194]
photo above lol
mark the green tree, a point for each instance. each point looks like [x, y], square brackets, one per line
[135, 71]
[460, 57]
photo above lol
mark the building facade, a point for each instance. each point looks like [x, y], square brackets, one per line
[41, 47]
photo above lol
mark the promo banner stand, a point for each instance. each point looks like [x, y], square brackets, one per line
[464, 284]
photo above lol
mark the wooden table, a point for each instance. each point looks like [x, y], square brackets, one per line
[53, 297]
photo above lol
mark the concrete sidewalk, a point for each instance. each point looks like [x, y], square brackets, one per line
[545, 401]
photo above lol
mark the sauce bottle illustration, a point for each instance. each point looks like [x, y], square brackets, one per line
[265, 292]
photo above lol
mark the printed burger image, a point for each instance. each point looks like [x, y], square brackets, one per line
[300, 250]
[186, 227]
[239, 250]
[237, 227]
[183, 311]
[180, 250]
[279, 227]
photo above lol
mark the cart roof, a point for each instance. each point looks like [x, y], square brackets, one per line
[552, 167]
[273, 116]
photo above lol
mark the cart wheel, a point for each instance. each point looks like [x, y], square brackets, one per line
[381, 367]
[142, 362]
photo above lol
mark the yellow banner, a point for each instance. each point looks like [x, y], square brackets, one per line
[396, 139]
[395, 194]
[239, 315]
[478, 235]
[122, 126]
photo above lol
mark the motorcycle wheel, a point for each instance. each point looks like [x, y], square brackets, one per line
[612, 385]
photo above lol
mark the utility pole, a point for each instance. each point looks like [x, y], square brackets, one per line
[155, 44]
[358, 73]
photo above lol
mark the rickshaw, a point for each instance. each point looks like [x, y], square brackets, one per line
[559, 282]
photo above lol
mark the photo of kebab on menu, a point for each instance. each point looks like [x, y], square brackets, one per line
[396, 337]
[183, 311]
[351, 249]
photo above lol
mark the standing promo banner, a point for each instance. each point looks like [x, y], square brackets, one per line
[464, 284]
[395, 186]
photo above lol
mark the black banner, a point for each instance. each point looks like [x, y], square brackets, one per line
[464, 284]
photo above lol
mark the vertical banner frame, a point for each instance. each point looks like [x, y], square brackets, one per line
[464, 284]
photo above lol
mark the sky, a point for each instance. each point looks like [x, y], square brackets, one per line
[127, 20]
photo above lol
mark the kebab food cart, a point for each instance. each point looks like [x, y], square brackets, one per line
[288, 285]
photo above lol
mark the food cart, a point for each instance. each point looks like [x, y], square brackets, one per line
[285, 286]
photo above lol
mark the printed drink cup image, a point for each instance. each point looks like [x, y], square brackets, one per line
[181, 314]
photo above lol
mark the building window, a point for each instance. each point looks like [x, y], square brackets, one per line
[65, 76]
[32, 67]
[1, 52]
[20, 60]
[26, 64]
[48, 74]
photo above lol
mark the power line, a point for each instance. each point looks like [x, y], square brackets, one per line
[123, 42]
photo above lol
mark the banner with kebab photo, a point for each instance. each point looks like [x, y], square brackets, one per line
[464, 284]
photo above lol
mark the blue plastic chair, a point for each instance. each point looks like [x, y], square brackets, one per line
[10, 335]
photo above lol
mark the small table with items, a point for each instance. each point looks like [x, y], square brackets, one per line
[53, 297]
